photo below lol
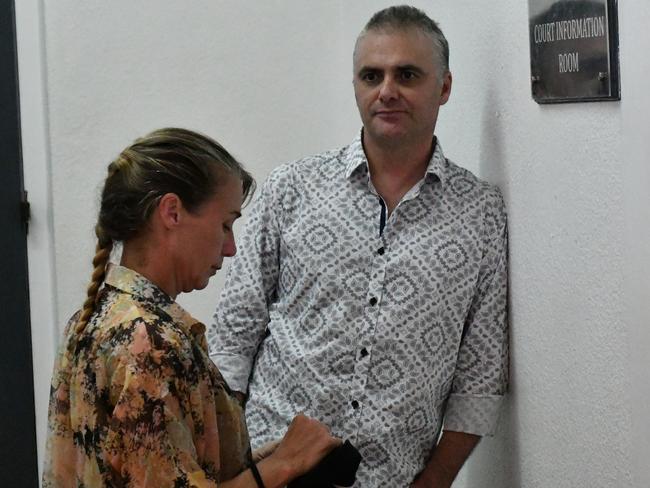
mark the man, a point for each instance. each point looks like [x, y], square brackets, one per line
[370, 286]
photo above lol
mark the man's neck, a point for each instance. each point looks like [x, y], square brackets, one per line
[395, 169]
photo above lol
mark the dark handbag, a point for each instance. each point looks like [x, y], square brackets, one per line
[338, 468]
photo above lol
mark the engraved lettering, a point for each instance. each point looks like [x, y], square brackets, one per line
[544, 32]
[580, 28]
[568, 62]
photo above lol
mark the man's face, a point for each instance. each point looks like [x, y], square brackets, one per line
[397, 86]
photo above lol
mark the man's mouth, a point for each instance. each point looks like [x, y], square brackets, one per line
[388, 113]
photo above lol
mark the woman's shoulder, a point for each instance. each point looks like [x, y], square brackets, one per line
[124, 325]
[126, 332]
[133, 323]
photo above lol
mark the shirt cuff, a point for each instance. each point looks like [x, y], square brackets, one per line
[234, 369]
[473, 414]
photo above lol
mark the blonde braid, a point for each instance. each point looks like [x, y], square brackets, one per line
[102, 253]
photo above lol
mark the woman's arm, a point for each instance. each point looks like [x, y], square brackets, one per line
[306, 442]
[162, 435]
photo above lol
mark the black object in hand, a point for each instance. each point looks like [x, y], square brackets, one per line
[338, 468]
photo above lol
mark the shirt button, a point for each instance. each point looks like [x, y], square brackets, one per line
[380, 251]
[364, 352]
[373, 301]
[355, 404]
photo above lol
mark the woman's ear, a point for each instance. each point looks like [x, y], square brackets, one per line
[169, 210]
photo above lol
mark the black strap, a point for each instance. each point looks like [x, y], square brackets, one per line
[256, 475]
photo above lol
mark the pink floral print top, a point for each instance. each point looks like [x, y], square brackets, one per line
[135, 400]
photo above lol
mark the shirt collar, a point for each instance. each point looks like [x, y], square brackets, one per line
[355, 156]
[145, 291]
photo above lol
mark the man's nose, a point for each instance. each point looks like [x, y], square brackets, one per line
[388, 89]
[229, 248]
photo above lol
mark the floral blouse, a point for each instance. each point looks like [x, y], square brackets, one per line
[135, 400]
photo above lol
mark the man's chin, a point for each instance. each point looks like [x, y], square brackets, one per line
[388, 136]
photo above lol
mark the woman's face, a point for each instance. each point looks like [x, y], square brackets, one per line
[206, 236]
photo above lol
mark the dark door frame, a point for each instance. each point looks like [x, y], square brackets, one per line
[18, 453]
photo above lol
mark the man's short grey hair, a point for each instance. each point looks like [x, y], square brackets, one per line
[402, 17]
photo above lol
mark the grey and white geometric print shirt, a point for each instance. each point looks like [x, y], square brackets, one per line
[379, 328]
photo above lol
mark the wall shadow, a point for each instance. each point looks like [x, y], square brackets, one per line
[496, 461]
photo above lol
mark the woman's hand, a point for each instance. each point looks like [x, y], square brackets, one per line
[265, 451]
[306, 442]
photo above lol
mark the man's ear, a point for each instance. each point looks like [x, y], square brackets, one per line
[445, 88]
[169, 210]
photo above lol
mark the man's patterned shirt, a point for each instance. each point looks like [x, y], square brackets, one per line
[380, 331]
[137, 402]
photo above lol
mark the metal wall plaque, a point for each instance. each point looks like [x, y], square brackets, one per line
[574, 50]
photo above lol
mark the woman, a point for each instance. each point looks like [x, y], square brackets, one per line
[135, 400]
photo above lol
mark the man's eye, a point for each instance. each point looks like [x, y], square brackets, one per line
[369, 77]
[408, 75]
[227, 227]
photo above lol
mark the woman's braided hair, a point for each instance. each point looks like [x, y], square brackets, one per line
[170, 160]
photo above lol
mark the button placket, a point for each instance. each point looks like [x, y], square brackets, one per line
[363, 346]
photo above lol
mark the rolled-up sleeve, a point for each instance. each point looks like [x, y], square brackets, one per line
[242, 312]
[481, 377]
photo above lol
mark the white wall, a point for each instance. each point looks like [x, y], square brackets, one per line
[567, 421]
[635, 39]
[272, 81]
[37, 180]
